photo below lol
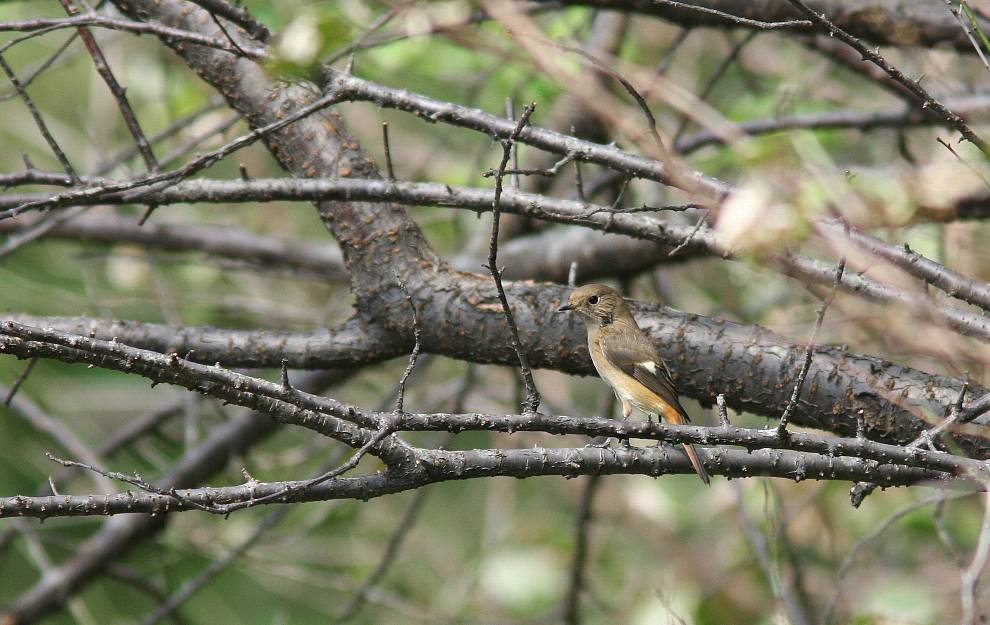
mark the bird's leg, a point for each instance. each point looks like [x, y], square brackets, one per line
[626, 413]
[602, 442]
[659, 442]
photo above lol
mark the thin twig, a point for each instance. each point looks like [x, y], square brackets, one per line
[723, 413]
[389, 555]
[572, 603]
[168, 606]
[238, 15]
[134, 480]
[41, 67]
[296, 489]
[170, 177]
[46, 25]
[809, 351]
[687, 240]
[928, 102]
[713, 80]
[861, 490]
[971, 575]
[952, 282]
[42, 126]
[417, 337]
[549, 172]
[510, 113]
[20, 380]
[388, 152]
[644, 208]
[863, 542]
[532, 402]
[967, 25]
[668, 57]
[579, 181]
[734, 19]
[59, 432]
[942, 531]
[119, 94]
[758, 541]
[223, 29]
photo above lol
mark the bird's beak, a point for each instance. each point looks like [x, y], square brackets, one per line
[565, 308]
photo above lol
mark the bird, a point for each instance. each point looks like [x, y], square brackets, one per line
[627, 360]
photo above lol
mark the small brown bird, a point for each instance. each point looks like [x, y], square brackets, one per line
[627, 360]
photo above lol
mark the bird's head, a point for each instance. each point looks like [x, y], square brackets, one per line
[596, 303]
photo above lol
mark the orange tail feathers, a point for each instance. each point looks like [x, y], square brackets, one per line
[677, 417]
[696, 463]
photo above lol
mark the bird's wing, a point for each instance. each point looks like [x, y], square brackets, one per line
[635, 356]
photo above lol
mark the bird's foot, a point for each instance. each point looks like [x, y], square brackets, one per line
[600, 445]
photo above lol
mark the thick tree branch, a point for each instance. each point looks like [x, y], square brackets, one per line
[889, 22]
[374, 237]
[326, 415]
[705, 354]
[348, 345]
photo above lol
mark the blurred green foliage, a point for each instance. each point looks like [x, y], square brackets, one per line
[483, 551]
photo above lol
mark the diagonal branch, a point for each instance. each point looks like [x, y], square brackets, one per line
[532, 402]
[925, 99]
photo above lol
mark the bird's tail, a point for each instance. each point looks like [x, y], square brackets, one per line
[677, 416]
[696, 463]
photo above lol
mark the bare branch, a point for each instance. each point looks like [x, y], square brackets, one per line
[439, 465]
[288, 405]
[810, 351]
[952, 282]
[734, 20]
[925, 99]
[391, 551]
[194, 166]
[532, 403]
[227, 242]
[971, 574]
[12, 391]
[238, 15]
[98, 552]
[123, 104]
[39, 121]
[45, 25]
[400, 394]
[579, 565]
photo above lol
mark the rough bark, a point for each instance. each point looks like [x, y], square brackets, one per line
[885, 22]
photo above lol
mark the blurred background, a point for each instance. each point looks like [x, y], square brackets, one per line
[488, 551]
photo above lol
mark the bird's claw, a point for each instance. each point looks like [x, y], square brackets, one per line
[602, 445]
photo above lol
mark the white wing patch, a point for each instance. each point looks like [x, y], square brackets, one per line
[649, 365]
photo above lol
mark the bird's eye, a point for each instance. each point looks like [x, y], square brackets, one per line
[593, 300]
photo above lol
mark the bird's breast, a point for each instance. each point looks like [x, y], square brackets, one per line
[608, 372]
